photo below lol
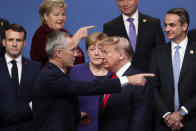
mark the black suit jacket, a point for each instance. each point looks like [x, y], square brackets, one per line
[129, 110]
[149, 36]
[3, 24]
[163, 85]
[12, 99]
[21, 114]
[192, 34]
[55, 98]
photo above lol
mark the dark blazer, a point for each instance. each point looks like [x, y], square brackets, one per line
[11, 98]
[149, 36]
[3, 24]
[21, 114]
[163, 85]
[55, 101]
[192, 34]
[129, 110]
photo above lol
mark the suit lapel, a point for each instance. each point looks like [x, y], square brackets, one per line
[170, 66]
[24, 75]
[188, 58]
[141, 29]
[121, 27]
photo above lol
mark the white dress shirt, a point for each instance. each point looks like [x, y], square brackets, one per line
[19, 65]
[181, 50]
[135, 16]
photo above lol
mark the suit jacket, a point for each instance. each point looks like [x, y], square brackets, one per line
[55, 101]
[12, 99]
[192, 34]
[129, 110]
[87, 104]
[163, 85]
[21, 114]
[3, 24]
[149, 36]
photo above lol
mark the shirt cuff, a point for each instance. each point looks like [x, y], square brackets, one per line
[30, 104]
[166, 114]
[123, 81]
[184, 109]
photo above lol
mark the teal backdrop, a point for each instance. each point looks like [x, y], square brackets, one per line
[86, 12]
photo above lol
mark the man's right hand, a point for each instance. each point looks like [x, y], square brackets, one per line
[139, 79]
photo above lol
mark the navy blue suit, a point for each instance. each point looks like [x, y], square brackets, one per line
[150, 35]
[163, 85]
[11, 98]
[55, 105]
[129, 110]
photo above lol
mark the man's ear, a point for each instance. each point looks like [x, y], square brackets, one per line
[3, 42]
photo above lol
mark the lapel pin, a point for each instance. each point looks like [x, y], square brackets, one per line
[1, 23]
[144, 20]
[191, 52]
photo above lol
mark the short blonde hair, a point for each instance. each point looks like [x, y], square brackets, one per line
[120, 44]
[94, 37]
[47, 5]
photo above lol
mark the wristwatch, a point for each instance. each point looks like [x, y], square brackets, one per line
[182, 112]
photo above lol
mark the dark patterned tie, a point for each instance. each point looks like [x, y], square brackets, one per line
[15, 74]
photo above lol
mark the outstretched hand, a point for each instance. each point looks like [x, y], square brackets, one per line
[81, 33]
[139, 79]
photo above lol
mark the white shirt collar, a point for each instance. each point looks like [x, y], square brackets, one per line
[182, 44]
[9, 59]
[122, 70]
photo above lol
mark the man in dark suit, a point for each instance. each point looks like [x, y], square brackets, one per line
[19, 115]
[55, 104]
[192, 34]
[17, 75]
[130, 109]
[174, 83]
[146, 33]
[3, 24]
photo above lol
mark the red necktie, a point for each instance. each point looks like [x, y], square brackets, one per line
[106, 96]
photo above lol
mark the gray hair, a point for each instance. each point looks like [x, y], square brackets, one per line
[55, 40]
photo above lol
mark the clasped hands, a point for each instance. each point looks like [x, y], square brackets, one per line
[173, 121]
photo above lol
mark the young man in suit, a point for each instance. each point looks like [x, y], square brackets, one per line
[17, 77]
[130, 109]
[143, 31]
[174, 83]
[55, 104]
[192, 34]
[3, 24]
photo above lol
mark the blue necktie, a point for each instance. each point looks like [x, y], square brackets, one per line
[132, 33]
[176, 70]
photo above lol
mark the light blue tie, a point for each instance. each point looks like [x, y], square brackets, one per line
[176, 70]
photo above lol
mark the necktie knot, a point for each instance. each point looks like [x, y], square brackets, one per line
[130, 20]
[114, 76]
[13, 62]
[177, 47]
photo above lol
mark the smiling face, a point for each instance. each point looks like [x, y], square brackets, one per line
[56, 18]
[14, 43]
[175, 30]
[128, 7]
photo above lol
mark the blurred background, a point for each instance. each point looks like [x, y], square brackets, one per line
[86, 12]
